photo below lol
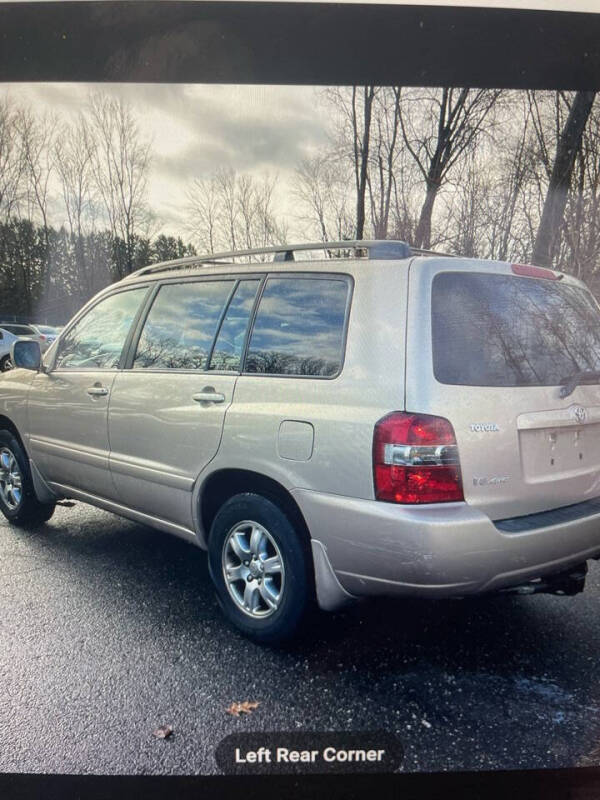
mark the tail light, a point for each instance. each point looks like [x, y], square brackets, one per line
[415, 460]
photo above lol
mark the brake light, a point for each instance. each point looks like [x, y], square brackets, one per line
[531, 271]
[415, 460]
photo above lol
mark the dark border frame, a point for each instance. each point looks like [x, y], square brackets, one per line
[319, 44]
[559, 784]
[312, 43]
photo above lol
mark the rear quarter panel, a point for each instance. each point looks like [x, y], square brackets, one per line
[342, 411]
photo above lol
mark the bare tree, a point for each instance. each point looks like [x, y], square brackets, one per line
[37, 135]
[367, 136]
[569, 143]
[11, 158]
[406, 195]
[516, 170]
[496, 183]
[267, 227]
[381, 177]
[353, 112]
[233, 211]
[461, 226]
[225, 179]
[203, 213]
[361, 130]
[382, 129]
[75, 150]
[120, 165]
[245, 196]
[320, 186]
[437, 128]
[579, 251]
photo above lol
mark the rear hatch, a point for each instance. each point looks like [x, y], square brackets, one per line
[489, 347]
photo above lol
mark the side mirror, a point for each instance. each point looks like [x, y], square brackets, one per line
[26, 353]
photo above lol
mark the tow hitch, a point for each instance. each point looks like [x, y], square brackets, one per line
[569, 582]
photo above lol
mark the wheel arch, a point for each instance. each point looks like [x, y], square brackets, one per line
[9, 425]
[225, 483]
[42, 491]
[222, 484]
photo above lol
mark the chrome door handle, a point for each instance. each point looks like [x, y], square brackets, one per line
[208, 395]
[97, 391]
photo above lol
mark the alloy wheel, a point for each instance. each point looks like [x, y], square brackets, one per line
[253, 569]
[11, 479]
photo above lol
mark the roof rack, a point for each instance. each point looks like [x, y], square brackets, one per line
[363, 248]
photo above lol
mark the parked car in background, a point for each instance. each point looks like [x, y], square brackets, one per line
[44, 334]
[47, 334]
[23, 331]
[6, 340]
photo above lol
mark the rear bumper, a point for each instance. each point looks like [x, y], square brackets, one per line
[443, 550]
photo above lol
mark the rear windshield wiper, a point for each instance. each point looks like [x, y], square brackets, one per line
[572, 382]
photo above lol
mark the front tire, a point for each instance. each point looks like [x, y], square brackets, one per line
[18, 501]
[260, 566]
[5, 364]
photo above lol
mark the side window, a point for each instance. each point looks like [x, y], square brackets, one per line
[299, 327]
[181, 325]
[96, 341]
[230, 341]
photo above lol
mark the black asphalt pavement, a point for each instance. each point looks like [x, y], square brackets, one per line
[109, 630]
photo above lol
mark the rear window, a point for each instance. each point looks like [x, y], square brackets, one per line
[499, 330]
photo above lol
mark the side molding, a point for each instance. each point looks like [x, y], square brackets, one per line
[331, 595]
[42, 491]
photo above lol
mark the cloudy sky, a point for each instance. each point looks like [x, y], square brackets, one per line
[195, 129]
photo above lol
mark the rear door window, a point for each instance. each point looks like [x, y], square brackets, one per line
[500, 330]
[299, 327]
[181, 325]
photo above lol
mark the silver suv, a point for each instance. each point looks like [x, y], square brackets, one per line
[379, 421]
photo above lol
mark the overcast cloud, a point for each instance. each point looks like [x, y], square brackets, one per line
[196, 129]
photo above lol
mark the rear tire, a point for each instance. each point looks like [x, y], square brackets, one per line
[18, 501]
[5, 364]
[260, 566]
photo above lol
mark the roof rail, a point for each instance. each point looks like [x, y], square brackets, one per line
[363, 248]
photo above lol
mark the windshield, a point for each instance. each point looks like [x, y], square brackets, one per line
[500, 330]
